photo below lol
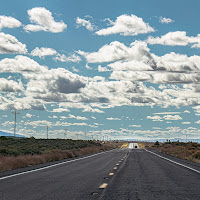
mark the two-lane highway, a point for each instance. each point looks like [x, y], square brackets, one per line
[125, 174]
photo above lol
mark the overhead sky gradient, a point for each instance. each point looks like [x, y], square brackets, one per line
[128, 70]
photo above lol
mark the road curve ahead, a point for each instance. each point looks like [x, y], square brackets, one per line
[76, 180]
[146, 176]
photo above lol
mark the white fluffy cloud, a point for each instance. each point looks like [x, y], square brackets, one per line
[177, 38]
[10, 86]
[165, 20]
[138, 126]
[29, 115]
[127, 25]
[186, 122]
[77, 117]
[43, 51]
[137, 63]
[118, 51]
[63, 58]
[44, 21]
[9, 22]
[155, 118]
[86, 23]
[172, 117]
[113, 119]
[20, 64]
[54, 85]
[165, 117]
[10, 44]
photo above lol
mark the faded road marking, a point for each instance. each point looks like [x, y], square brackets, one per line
[103, 186]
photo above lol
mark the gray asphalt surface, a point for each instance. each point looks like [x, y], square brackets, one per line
[74, 180]
[140, 175]
[148, 177]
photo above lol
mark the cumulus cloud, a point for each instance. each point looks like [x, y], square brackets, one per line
[54, 85]
[186, 122]
[20, 64]
[10, 44]
[63, 58]
[165, 117]
[103, 69]
[9, 22]
[138, 126]
[59, 110]
[77, 117]
[25, 103]
[43, 51]
[116, 51]
[172, 117]
[138, 57]
[113, 119]
[155, 118]
[86, 23]
[44, 21]
[28, 115]
[177, 38]
[166, 113]
[165, 20]
[10, 86]
[127, 25]
[186, 111]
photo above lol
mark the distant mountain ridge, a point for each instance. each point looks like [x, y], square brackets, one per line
[2, 133]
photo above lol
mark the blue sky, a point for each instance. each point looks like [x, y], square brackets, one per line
[128, 70]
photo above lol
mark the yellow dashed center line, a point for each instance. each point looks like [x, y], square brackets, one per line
[103, 186]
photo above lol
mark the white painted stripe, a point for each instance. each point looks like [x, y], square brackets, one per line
[61, 163]
[190, 168]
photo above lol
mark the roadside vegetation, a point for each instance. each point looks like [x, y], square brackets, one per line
[188, 151]
[18, 153]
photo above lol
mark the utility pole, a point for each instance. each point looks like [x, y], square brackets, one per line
[85, 136]
[92, 137]
[15, 123]
[77, 136]
[97, 137]
[47, 132]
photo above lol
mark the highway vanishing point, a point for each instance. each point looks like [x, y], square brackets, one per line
[126, 174]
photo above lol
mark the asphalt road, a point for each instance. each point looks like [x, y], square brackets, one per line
[130, 174]
[146, 176]
[76, 180]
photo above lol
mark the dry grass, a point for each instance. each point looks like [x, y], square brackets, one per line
[188, 151]
[11, 162]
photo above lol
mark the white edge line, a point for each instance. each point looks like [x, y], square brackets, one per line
[190, 168]
[61, 163]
